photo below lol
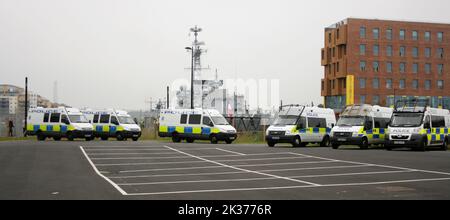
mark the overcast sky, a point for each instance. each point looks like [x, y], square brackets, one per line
[106, 53]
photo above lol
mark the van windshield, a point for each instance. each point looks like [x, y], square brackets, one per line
[286, 120]
[218, 120]
[351, 121]
[78, 119]
[406, 120]
[126, 120]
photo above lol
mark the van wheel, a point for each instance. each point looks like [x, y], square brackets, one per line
[104, 138]
[70, 136]
[40, 137]
[423, 145]
[213, 139]
[325, 142]
[135, 139]
[444, 146]
[228, 141]
[190, 140]
[119, 136]
[57, 138]
[365, 144]
[176, 138]
[388, 147]
[335, 146]
[297, 142]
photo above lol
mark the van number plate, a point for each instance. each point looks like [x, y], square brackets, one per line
[399, 142]
[276, 138]
[342, 139]
[231, 138]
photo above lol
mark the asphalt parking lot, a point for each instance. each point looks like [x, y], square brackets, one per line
[153, 170]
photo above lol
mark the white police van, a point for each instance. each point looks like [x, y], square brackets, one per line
[419, 127]
[113, 123]
[362, 125]
[57, 123]
[300, 125]
[195, 124]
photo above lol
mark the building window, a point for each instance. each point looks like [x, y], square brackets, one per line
[389, 51]
[402, 67]
[427, 84]
[440, 68]
[415, 52]
[402, 34]
[402, 51]
[362, 49]
[337, 33]
[337, 67]
[415, 68]
[362, 83]
[376, 66]
[375, 100]
[362, 65]
[427, 36]
[376, 33]
[376, 50]
[389, 67]
[440, 36]
[402, 84]
[440, 53]
[415, 35]
[362, 32]
[415, 84]
[388, 83]
[427, 52]
[376, 83]
[362, 99]
[329, 38]
[440, 84]
[389, 34]
[428, 68]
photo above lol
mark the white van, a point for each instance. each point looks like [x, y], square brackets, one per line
[195, 124]
[57, 123]
[419, 127]
[362, 125]
[300, 125]
[113, 123]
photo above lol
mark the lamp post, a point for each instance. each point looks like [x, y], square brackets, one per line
[192, 75]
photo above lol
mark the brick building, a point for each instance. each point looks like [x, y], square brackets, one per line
[380, 62]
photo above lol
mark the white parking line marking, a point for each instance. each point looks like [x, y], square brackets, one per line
[167, 153]
[284, 187]
[314, 168]
[249, 171]
[215, 156]
[101, 175]
[233, 152]
[187, 162]
[209, 167]
[253, 179]
[172, 175]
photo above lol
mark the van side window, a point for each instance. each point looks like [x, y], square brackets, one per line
[302, 122]
[114, 120]
[195, 119]
[206, 120]
[46, 116]
[183, 119]
[438, 121]
[104, 119]
[64, 119]
[381, 122]
[95, 119]
[426, 123]
[368, 123]
[54, 117]
[317, 123]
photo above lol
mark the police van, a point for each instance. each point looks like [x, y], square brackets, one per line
[57, 123]
[300, 125]
[362, 125]
[113, 123]
[419, 128]
[195, 124]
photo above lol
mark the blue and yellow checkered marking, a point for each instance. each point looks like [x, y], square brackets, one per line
[313, 130]
[188, 130]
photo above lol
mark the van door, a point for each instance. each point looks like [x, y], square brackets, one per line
[114, 125]
[207, 126]
[103, 125]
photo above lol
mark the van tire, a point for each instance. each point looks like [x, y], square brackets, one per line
[444, 146]
[364, 144]
[271, 144]
[40, 136]
[335, 146]
[213, 139]
[228, 141]
[119, 136]
[104, 138]
[297, 142]
[190, 140]
[325, 142]
[135, 139]
[176, 138]
[388, 147]
[57, 138]
[70, 136]
[423, 145]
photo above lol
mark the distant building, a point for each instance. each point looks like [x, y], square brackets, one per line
[380, 62]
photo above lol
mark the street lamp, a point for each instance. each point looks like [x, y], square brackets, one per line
[192, 75]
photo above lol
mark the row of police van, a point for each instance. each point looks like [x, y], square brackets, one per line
[361, 125]
[72, 123]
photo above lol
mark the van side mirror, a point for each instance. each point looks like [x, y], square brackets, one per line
[66, 122]
[300, 126]
[211, 124]
[115, 123]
